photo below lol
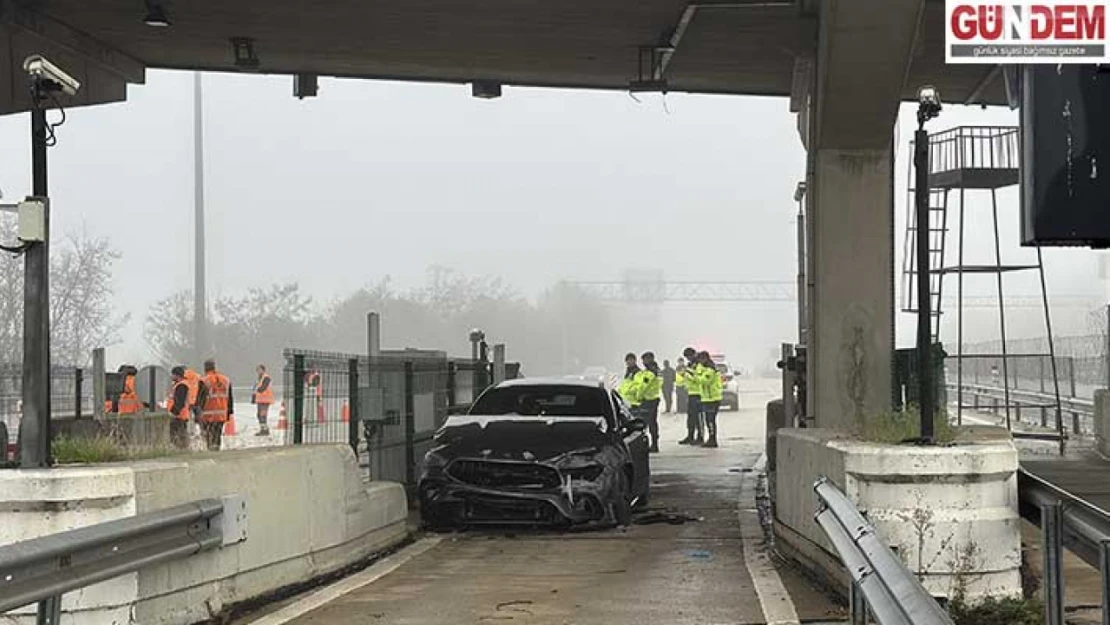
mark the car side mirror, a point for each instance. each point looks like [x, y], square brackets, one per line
[636, 425]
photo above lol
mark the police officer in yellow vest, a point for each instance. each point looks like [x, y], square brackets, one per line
[712, 391]
[628, 387]
[688, 380]
[649, 382]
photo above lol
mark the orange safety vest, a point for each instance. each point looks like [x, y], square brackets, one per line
[192, 379]
[129, 400]
[215, 408]
[266, 396]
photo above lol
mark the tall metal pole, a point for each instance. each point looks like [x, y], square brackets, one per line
[801, 273]
[200, 306]
[925, 390]
[35, 426]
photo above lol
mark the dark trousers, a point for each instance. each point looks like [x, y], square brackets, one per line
[213, 434]
[680, 396]
[693, 417]
[668, 395]
[263, 413]
[179, 433]
[649, 412]
[709, 409]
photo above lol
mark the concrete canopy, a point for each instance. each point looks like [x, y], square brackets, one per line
[742, 47]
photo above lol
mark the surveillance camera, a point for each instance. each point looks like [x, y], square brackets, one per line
[49, 76]
[928, 95]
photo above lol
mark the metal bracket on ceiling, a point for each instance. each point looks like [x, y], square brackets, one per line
[647, 79]
[660, 55]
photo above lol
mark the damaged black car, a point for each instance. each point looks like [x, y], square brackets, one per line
[555, 452]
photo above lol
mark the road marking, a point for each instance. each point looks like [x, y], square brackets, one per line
[774, 599]
[346, 585]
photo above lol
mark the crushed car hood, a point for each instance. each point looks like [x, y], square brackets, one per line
[513, 437]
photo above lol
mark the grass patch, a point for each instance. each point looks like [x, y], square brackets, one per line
[904, 426]
[103, 449]
[997, 612]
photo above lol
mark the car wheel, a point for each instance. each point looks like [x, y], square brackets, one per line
[622, 504]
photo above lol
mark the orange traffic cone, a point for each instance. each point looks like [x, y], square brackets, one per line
[283, 422]
[346, 412]
[229, 426]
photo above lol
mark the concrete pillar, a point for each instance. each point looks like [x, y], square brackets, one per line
[852, 310]
[847, 98]
[498, 363]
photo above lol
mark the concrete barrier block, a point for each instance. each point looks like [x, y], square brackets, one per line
[39, 502]
[309, 513]
[1102, 420]
[949, 512]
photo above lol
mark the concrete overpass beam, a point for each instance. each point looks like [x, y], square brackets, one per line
[863, 54]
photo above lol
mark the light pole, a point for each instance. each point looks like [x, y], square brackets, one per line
[928, 108]
[799, 196]
[47, 81]
[200, 295]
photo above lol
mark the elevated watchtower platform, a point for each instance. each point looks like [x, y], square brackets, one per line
[974, 157]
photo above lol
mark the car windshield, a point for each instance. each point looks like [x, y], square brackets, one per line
[542, 401]
[722, 368]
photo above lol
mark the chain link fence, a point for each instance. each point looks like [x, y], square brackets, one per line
[387, 409]
[71, 395]
[1080, 365]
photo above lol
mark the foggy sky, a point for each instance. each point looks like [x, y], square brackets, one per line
[376, 178]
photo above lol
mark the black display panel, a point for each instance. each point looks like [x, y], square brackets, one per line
[1065, 173]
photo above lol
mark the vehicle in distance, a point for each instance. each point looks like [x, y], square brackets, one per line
[538, 452]
[730, 392]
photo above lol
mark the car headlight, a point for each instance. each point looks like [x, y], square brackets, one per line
[587, 473]
[433, 463]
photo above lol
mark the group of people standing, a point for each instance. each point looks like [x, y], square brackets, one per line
[696, 378]
[703, 387]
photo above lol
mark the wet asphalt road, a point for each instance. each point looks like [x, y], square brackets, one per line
[693, 573]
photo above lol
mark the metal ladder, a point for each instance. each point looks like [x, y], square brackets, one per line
[938, 228]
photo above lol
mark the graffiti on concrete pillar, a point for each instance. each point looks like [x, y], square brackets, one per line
[854, 359]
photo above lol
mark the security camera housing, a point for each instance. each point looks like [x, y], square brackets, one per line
[50, 76]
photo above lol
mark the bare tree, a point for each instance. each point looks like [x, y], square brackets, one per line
[81, 314]
[81, 299]
[245, 331]
[169, 328]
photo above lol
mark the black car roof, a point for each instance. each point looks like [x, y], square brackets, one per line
[550, 381]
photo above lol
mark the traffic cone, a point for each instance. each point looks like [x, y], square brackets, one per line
[320, 418]
[346, 412]
[283, 422]
[229, 426]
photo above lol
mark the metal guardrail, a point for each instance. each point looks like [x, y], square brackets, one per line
[879, 579]
[1066, 521]
[1020, 399]
[43, 569]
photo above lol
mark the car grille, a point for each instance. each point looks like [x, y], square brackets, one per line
[493, 474]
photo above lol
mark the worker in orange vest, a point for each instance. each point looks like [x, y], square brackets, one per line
[315, 383]
[218, 405]
[262, 397]
[128, 402]
[180, 406]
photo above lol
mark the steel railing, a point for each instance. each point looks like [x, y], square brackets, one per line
[1066, 521]
[43, 569]
[881, 584]
[1079, 408]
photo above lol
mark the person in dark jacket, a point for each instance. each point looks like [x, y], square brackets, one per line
[181, 409]
[668, 375]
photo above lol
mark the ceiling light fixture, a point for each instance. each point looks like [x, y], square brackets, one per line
[156, 15]
[245, 57]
